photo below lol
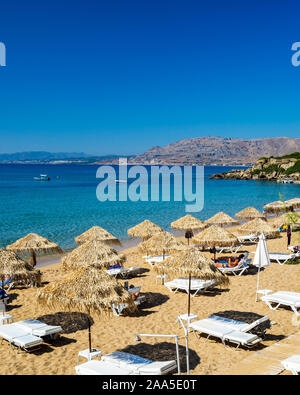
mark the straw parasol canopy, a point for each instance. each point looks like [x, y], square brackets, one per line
[144, 230]
[295, 202]
[188, 263]
[248, 214]
[257, 226]
[98, 233]
[163, 242]
[88, 290]
[215, 236]
[34, 244]
[277, 207]
[11, 265]
[221, 219]
[93, 253]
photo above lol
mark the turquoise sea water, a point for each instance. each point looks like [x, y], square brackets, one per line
[67, 205]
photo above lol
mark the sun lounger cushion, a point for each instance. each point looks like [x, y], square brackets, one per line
[18, 336]
[100, 368]
[38, 328]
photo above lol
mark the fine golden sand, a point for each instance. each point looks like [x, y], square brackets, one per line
[158, 315]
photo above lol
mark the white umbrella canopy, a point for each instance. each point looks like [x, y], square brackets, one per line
[261, 258]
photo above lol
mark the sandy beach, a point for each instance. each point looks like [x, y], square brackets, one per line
[157, 315]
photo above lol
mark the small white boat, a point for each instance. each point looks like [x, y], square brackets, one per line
[121, 181]
[287, 181]
[42, 177]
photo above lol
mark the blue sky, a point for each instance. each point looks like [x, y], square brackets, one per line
[122, 76]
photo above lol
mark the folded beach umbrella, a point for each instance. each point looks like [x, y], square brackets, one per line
[258, 226]
[12, 266]
[215, 236]
[163, 242]
[261, 258]
[192, 263]
[248, 214]
[278, 207]
[93, 253]
[189, 224]
[98, 233]
[87, 290]
[221, 219]
[144, 230]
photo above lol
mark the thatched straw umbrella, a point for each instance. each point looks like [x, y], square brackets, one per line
[93, 253]
[278, 207]
[88, 290]
[34, 244]
[285, 219]
[144, 230]
[295, 202]
[163, 242]
[248, 214]
[11, 265]
[221, 219]
[98, 233]
[189, 224]
[215, 236]
[258, 226]
[192, 263]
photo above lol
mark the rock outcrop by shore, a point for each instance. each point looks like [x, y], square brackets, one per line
[272, 169]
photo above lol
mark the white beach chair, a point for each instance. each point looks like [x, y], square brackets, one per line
[197, 285]
[118, 308]
[237, 270]
[123, 272]
[251, 237]
[19, 337]
[292, 364]
[228, 330]
[38, 328]
[282, 258]
[156, 259]
[124, 363]
[283, 298]
[233, 249]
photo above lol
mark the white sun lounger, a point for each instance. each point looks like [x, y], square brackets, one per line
[233, 249]
[38, 328]
[228, 330]
[19, 337]
[283, 298]
[251, 237]
[292, 364]
[237, 270]
[155, 259]
[282, 258]
[124, 363]
[118, 309]
[123, 272]
[197, 285]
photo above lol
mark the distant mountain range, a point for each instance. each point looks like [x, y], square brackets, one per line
[206, 150]
[217, 150]
[50, 157]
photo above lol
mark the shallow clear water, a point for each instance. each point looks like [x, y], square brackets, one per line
[67, 206]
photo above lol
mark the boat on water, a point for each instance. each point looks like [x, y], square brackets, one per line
[42, 177]
[120, 180]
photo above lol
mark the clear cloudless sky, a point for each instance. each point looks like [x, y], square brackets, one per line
[120, 76]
